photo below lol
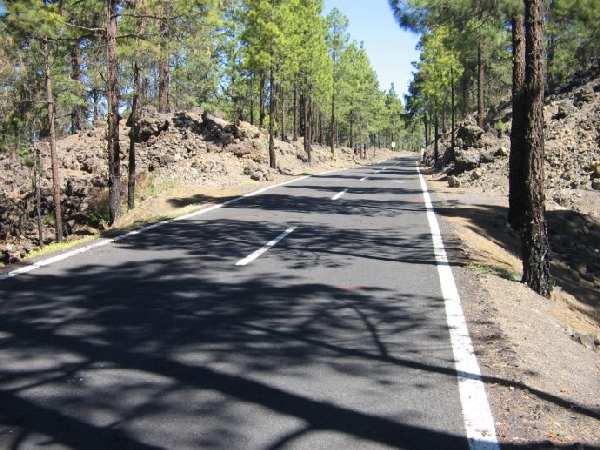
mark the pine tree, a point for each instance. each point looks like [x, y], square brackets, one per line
[337, 40]
[535, 247]
[113, 117]
[517, 186]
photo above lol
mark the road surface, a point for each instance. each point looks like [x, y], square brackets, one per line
[310, 316]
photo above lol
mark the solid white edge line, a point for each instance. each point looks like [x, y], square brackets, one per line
[477, 415]
[103, 242]
[255, 255]
[339, 195]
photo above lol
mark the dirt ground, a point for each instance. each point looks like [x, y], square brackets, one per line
[537, 355]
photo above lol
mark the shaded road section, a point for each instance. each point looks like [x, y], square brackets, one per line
[334, 336]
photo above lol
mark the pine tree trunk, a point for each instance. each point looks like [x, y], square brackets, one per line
[133, 136]
[144, 87]
[163, 71]
[282, 102]
[320, 127]
[551, 53]
[426, 122]
[295, 113]
[261, 100]
[535, 247]
[307, 146]
[480, 87]
[96, 100]
[333, 127]
[272, 105]
[516, 178]
[436, 137]
[76, 77]
[163, 86]
[58, 226]
[38, 195]
[251, 90]
[314, 123]
[453, 106]
[351, 129]
[112, 132]
[465, 95]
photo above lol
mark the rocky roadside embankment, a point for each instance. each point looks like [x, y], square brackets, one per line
[572, 151]
[478, 168]
[185, 148]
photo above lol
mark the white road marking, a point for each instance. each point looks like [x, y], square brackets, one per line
[248, 259]
[477, 416]
[339, 195]
[364, 179]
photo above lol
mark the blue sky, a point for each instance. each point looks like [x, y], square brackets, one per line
[390, 48]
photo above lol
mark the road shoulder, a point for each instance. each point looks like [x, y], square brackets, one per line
[542, 385]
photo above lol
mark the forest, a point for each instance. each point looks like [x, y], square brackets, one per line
[69, 65]
[476, 55]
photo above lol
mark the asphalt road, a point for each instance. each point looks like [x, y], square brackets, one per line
[191, 336]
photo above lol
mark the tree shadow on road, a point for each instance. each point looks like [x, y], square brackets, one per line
[168, 341]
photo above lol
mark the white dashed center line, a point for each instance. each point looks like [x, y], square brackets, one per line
[339, 194]
[248, 259]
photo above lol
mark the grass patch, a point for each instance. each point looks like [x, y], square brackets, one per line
[501, 272]
[57, 246]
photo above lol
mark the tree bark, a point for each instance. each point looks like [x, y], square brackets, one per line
[282, 107]
[163, 70]
[112, 132]
[453, 106]
[38, 194]
[351, 129]
[251, 90]
[320, 127]
[261, 100]
[436, 137]
[535, 247]
[76, 77]
[96, 100]
[307, 131]
[295, 113]
[551, 53]
[333, 127]
[58, 226]
[133, 136]
[426, 123]
[272, 105]
[516, 179]
[465, 95]
[480, 86]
